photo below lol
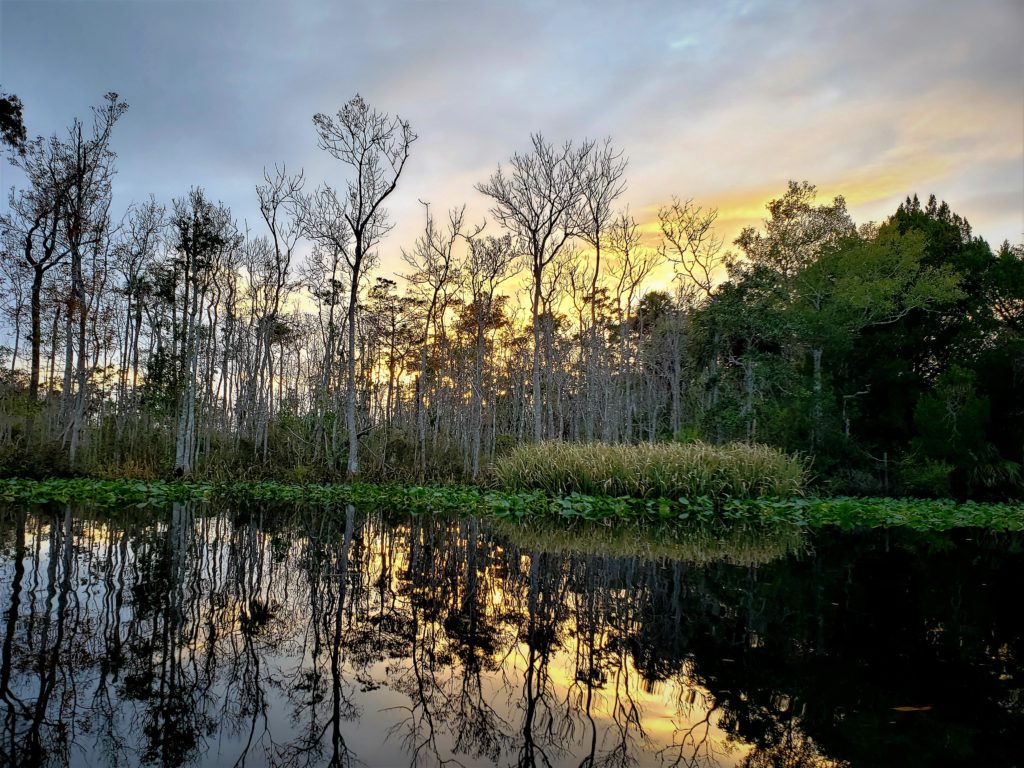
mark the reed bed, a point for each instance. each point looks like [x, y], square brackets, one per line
[670, 470]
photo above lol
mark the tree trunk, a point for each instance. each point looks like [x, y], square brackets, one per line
[36, 334]
[353, 437]
[537, 406]
[816, 426]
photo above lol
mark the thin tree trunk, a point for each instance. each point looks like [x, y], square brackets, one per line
[537, 406]
[353, 436]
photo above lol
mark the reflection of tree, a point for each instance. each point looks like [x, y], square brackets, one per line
[453, 641]
[328, 586]
[169, 679]
[154, 638]
[545, 731]
[602, 667]
[806, 660]
[15, 707]
[479, 729]
[50, 639]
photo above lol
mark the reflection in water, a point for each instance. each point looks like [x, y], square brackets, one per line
[298, 639]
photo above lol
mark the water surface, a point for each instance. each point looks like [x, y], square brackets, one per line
[209, 637]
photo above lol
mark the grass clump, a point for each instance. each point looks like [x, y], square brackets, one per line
[668, 470]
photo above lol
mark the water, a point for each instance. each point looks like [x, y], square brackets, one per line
[216, 638]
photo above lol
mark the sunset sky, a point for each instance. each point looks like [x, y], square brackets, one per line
[722, 102]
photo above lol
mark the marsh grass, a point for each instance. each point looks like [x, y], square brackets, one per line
[671, 470]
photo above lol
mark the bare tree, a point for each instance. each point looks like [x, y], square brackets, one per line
[142, 234]
[489, 263]
[690, 243]
[539, 202]
[86, 164]
[280, 198]
[33, 227]
[433, 262]
[322, 277]
[376, 146]
[631, 268]
[603, 183]
[15, 280]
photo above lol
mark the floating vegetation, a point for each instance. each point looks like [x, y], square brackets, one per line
[842, 512]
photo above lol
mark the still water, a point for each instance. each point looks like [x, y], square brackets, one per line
[216, 637]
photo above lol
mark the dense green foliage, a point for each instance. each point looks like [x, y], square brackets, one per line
[895, 356]
[842, 512]
[667, 470]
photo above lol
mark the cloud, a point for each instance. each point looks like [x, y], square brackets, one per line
[719, 101]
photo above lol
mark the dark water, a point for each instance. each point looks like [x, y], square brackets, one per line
[193, 637]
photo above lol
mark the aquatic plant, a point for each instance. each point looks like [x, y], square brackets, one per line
[527, 505]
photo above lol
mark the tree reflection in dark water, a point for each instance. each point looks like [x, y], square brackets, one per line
[199, 637]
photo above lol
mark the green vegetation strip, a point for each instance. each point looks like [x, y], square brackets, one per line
[842, 512]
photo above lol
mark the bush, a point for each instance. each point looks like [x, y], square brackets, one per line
[44, 459]
[653, 471]
[927, 477]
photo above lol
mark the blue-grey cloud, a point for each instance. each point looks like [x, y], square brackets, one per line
[722, 101]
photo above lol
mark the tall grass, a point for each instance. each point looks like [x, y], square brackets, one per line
[670, 470]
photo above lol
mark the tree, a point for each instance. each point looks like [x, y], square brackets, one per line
[539, 202]
[900, 364]
[795, 231]
[602, 184]
[376, 147]
[136, 252]
[12, 122]
[33, 228]
[280, 199]
[796, 234]
[88, 164]
[322, 277]
[861, 283]
[63, 212]
[433, 262]
[690, 243]
[490, 262]
[203, 234]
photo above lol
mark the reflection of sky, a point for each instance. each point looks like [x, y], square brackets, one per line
[719, 101]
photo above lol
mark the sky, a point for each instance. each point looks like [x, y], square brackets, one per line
[720, 101]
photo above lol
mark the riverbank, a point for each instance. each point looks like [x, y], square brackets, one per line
[846, 513]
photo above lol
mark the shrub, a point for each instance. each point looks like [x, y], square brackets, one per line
[925, 477]
[47, 458]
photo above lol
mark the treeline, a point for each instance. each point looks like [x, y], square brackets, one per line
[173, 341]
